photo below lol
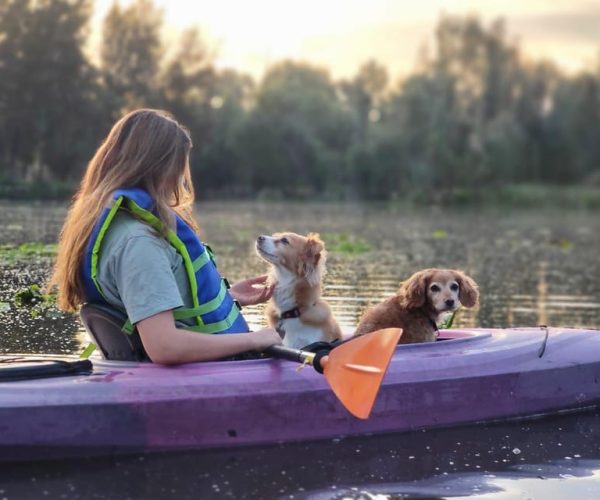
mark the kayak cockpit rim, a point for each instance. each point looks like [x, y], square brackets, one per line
[447, 337]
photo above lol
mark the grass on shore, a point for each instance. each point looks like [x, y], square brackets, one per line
[512, 195]
[521, 196]
[11, 189]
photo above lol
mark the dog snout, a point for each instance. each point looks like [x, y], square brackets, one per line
[450, 303]
[260, 239]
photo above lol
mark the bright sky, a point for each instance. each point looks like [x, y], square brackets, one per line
[341, 34]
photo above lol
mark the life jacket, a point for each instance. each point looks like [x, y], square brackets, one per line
[214, 310]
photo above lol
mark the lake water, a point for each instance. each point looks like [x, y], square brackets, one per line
[532, 267]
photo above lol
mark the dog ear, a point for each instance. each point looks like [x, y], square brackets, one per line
[313, 253]
[314, 249]
[413, 291]
[468, 290]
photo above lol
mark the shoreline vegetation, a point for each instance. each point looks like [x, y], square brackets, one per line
[476, 121]
[514, 195]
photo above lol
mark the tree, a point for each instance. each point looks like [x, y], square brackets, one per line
[48, 89]
[365, 93]
[219, 166]
[575, 121]
[533, 101]
[298, 133]
[131, 51]
[424, 118]
[187, 87]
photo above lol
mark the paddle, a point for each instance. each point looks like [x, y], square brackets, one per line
[354, 369]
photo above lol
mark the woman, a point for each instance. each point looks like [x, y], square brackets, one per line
[129, 242]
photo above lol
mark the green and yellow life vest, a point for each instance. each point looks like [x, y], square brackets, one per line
[214, 310]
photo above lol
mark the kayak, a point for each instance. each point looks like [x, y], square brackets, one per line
[467, 376]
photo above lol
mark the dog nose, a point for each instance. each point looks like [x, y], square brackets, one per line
[450, 302]
[260, 239]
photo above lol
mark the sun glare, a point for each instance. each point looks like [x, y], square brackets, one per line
[341, 34]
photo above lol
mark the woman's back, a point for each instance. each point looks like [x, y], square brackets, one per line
[131, 248]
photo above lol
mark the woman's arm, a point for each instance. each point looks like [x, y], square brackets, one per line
[166, 344]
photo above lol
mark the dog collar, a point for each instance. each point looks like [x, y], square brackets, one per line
[432, 323]
[289, 314]
[292, 313]
[435, 327]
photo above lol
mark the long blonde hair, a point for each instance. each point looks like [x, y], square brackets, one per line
[147, 149]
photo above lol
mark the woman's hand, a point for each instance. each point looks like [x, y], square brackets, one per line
[264, 338]
[247, 294]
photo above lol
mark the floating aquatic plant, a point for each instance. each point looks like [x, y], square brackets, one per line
[346, 243]
[40, 304]
[27, 251]
[564, 244]
[440, 234]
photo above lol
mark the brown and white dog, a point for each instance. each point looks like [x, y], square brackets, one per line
[420, 302]
[296, 309]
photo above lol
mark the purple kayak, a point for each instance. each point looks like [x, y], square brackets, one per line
[468, 376]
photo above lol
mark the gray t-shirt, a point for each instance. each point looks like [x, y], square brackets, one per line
[140, 273]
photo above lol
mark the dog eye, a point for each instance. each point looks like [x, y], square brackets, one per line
[454, 287]
[435, 288]
[285, 241]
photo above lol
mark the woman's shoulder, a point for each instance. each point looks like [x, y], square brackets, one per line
[125, 229]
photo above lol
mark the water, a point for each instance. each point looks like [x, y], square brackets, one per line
[554, 458]
[532, 267]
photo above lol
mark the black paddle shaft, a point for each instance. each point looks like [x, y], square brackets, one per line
[289, 354]
[282, 352]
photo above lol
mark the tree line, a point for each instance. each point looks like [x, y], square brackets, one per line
[474, 112]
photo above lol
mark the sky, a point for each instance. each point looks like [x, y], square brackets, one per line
[342, 34]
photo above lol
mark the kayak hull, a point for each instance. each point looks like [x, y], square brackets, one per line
[473, 376]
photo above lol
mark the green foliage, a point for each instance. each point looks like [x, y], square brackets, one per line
[345, 243]
[39, 304]
[518, 196]
[26, 252]
[527, 195]
[475, 123]
[19, 189]
[564, 244]
[365, 94]
[48, 90]
[447, 321]
[130, 53]
[296, 136]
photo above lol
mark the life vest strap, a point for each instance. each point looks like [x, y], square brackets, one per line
[96, 248]
[201, 261]
[193, 312]
[220, 325]
[207, 307]
[128, 327]
[175, 241]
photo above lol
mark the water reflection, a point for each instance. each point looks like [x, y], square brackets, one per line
[554, 458]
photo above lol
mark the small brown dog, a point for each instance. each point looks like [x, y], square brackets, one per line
[296, 309]
[419, 302]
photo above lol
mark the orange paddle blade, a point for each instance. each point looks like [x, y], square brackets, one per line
[356, 368]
